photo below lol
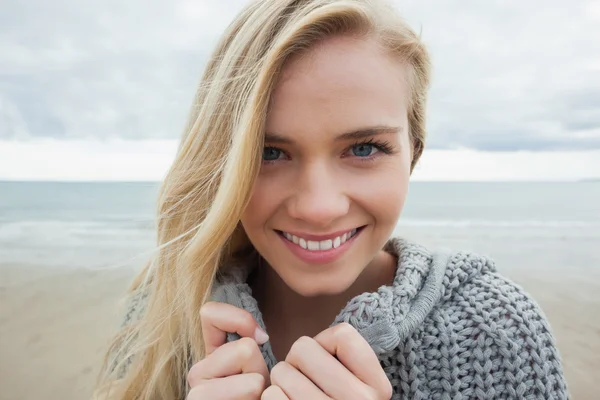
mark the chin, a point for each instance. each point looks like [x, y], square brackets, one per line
[312, 286]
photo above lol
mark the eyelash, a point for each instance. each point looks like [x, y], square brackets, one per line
[383, 146]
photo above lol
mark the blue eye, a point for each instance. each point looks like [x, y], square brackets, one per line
[271, 154]
[363, 150]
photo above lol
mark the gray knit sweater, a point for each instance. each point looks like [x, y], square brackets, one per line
[449, 327]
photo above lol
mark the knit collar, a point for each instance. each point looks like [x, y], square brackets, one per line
[384, 318]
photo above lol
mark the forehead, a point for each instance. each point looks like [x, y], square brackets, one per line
[340, 84]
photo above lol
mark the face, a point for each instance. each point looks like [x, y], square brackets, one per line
[336, 166]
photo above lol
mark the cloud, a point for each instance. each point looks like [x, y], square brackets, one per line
[102, 69]
[506, 77]
[512, 75]
[86, 160]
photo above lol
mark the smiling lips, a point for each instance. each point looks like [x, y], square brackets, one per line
[323, 251]
[320, 245]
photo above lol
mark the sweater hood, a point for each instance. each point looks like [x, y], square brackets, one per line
[385, 318]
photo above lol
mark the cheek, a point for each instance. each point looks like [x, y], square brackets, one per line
[383, 193]
[263, 204]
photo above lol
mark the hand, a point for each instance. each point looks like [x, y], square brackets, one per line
[311, 370]
[234, 370]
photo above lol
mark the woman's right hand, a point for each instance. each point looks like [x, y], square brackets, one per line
[233, 370]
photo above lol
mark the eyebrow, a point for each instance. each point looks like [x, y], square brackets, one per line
[362, 133]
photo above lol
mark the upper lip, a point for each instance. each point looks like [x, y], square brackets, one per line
[317, 238]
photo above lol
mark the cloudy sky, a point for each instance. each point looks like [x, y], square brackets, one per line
[100, 89]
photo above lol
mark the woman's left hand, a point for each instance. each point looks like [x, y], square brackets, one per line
[312, 371]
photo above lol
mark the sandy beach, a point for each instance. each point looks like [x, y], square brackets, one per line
[55, 324]
[54, 329]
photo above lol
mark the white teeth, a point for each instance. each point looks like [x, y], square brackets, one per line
[312, 245]
[322, 245]
[336, 242]
[325, 244]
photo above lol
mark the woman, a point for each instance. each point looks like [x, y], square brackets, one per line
[276, 218]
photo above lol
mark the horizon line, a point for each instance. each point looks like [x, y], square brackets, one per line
[4, 180]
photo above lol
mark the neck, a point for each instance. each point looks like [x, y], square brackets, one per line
[288, 315]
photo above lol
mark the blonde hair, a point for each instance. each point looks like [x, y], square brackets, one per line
[210, 182]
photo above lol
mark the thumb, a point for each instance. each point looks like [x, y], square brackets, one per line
[217, 319]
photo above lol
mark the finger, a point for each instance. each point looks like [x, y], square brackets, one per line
[333, 378]
[294, 384]
[353, 351]
[274, 393]
[240, 357]
[243, 387]
[218, 319]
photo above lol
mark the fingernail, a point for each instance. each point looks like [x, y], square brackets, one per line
[260, 336]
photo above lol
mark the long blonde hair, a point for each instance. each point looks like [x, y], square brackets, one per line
[210, 182]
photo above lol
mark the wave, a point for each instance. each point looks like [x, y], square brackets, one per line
[69, 234]
[77, 226]
[101, 243]
[473, 223]
[74, 243]
[56, 231]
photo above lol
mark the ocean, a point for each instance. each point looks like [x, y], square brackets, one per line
[103, 225]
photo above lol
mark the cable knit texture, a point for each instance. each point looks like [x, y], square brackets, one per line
[449, 327]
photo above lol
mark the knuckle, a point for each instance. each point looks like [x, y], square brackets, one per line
[299, 347]
[344, 330]
[366, 393]
[302, 343]
[246, 318]
[196, 393]
[272, 392]
[383, 392]
[278, 370]
[387, 391]
[193, 373]
[246, 348]
[346, 333]
[302, 347]
[206, 309]
[256, 384]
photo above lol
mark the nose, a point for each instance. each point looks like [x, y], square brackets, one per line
[319, 198]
